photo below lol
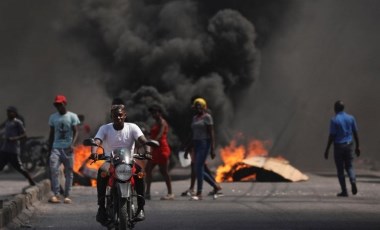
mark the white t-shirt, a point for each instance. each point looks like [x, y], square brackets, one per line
[124, 138]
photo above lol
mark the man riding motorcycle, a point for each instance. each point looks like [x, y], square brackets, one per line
[118, 134]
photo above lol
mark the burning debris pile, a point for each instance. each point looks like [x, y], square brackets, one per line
[85, 172]
[251, 163]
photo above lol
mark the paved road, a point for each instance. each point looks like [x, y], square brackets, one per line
[303, 205]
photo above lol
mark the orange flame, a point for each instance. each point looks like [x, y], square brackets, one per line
[234, 154]
[81, 155]
[83, 166]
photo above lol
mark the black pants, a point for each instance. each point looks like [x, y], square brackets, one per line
[344, 156]
[15, 161]
[101, 185]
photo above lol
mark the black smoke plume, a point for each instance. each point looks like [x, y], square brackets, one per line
[167, 51]
[143, 51]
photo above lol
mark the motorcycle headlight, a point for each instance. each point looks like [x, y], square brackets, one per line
[123, 172]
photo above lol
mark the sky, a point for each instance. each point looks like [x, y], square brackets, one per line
[269, 69]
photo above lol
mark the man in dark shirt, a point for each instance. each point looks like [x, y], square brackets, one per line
[343, 130]
[10, 150]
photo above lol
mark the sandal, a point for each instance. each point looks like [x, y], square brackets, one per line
[168, 197]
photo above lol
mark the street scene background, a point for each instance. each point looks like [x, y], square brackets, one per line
[270, 71]
[303, 56]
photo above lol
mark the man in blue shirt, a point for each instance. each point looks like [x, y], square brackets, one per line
[343, 131]
[63, 134]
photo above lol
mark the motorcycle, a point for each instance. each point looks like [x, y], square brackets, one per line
[121, 197]
[34, 153]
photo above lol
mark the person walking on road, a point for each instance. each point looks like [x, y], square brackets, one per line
[203, 144]
[160, 155]
[208, 175]
[63, 134]
[343, 130]
[14, 132]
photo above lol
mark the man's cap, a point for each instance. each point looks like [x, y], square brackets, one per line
[60, 99]
[12, 109]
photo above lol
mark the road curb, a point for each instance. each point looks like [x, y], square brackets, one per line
[16, 205]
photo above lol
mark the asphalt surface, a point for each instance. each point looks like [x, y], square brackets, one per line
[245, 205]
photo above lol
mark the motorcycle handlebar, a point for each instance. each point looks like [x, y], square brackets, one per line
[146, 156]
[141, 156]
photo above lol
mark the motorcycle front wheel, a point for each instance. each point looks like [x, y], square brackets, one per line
[125, 214]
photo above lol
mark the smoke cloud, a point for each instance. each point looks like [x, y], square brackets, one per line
[142, 51]
[165, 52]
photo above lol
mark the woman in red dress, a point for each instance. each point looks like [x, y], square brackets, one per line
[160, 155]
